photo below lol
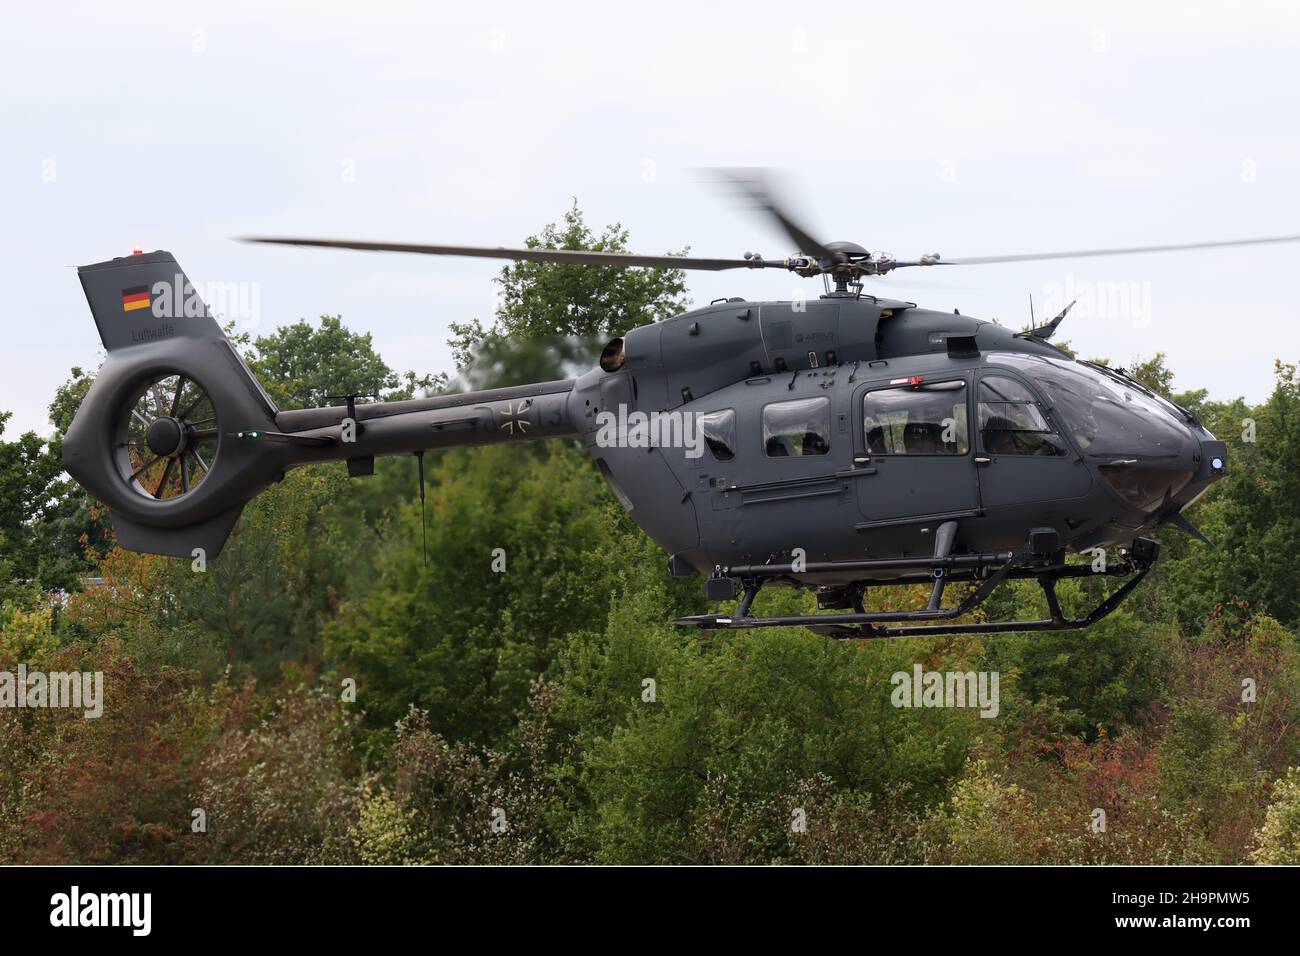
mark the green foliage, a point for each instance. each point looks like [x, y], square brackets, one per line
[454, 637]
[1260, 507]
[107, 789]
[36, 501]
[1154, 374]
[286, 789]
[974, 822]
[1252, 515]
[705, 772]
[263, 604]
[68, 399]
[1095, 803]
[1102, 678]
[303, 367]
[499, 360]
[1200, 760]
[455, 803]
[541, 300]
[1279, 838]
[384, 831]
[279, 579]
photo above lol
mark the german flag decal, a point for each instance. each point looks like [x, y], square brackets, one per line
[134, 298]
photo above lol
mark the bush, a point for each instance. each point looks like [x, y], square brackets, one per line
[286, 790]
[1278, 839]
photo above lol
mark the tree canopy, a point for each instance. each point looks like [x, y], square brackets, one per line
[543, 301]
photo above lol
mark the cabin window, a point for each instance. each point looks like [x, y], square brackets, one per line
[917, 420]
[798, 428]
[719, 430]
[1011, 422]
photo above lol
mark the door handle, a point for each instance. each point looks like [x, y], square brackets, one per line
[983, 460]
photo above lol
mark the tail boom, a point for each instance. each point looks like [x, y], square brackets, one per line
[138, 451]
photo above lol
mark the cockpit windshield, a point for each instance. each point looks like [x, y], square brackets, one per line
[1107, 415]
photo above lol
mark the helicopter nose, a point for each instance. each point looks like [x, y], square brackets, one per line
[1213, 466]
[1161, 484]
[1171, 471]
[1149, 483]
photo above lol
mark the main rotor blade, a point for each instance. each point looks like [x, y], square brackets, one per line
[1119, 251]
[580, 257]
[755, 183]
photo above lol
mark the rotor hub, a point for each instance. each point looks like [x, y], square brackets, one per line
[166, 437]
[848, 249]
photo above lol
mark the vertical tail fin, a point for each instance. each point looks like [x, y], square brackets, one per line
[142, 299]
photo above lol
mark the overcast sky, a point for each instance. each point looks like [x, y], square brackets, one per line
[960, 128]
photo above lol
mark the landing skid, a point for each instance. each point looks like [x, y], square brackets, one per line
[990, 570]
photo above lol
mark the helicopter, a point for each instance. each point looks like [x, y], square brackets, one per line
[841, 443]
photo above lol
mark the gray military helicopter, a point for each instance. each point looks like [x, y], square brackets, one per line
[841, 443]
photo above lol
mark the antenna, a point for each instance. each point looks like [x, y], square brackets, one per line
[424, 531]
[1032, 322]
[1046, 331]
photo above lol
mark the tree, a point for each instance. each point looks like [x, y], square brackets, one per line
[68, 399]
[286, 790]
[1278, 840]
[1104, 681]
[36, 508]
[297, 551]
[1252, 515]
[510, 573]
[542, 300]
[306, 367]
[704, 770]
[74, 527]
[114, 789]
[1154, 374]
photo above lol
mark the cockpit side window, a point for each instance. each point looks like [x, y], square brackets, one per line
[1107, 416]
[1010, 421]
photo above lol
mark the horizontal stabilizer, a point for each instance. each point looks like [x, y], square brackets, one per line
[283, 438]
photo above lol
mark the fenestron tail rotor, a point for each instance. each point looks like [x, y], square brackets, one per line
[168, 438]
